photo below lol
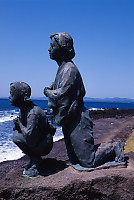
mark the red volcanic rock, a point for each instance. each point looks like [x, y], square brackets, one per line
[67, 183]
[60, 181]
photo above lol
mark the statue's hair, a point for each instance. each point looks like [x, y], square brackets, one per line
[65, 41]
[22, 89]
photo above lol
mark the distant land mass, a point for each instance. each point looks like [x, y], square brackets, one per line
[112, 100]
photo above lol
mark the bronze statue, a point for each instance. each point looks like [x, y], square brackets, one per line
[65, 97]
[32, 132]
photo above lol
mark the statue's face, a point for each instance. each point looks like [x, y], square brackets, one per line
[54, 50]
[14, 97]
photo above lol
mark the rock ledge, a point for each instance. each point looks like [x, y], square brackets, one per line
[67, 183]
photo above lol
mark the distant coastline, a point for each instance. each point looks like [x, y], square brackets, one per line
[89, 99]
[112, 100]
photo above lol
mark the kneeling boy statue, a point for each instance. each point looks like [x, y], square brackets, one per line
[32, 132]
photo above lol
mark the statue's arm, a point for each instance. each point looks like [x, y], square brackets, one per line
[31, 131]
[51, 86]
[56, 94]
[65, 85]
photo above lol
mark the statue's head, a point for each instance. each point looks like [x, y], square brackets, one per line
[19, 93]
[61, 46]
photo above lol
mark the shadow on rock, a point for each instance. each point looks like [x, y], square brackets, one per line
[51, 166]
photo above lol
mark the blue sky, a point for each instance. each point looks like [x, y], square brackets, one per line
[103, 34]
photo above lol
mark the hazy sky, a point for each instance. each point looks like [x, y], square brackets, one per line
[103, 34]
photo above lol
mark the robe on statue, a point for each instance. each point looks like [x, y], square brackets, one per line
[65, 97]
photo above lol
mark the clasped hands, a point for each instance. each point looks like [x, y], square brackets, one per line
[48, 88]
[16, 124]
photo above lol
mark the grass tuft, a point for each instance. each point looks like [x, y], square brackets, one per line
[129, 144]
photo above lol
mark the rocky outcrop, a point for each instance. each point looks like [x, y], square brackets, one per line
[111, 112]
[60, 181]
[63, 182]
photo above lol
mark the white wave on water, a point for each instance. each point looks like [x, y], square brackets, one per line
[11, 154]
[58, 135]
[96, 109]
[8, 115]
[7, 118]
[9, 151]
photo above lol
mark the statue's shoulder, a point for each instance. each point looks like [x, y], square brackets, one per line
[70, 64]
[71, 67]
[36, 110]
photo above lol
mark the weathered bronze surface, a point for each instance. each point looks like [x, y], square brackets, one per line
[32, 132]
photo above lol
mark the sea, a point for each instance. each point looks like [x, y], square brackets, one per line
[8, 150]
